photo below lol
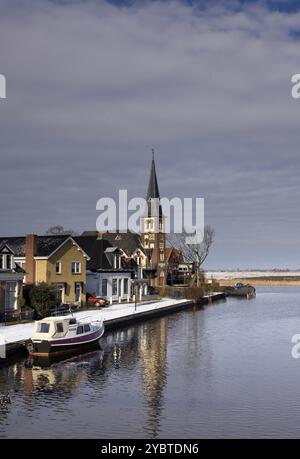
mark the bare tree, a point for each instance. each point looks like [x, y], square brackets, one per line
[193, 253]
[59, 230]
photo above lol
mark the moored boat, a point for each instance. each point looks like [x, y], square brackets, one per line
[241, 290]
[54, 335]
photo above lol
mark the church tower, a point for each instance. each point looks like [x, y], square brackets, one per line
[153, 229]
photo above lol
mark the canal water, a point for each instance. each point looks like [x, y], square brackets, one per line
[225, 371]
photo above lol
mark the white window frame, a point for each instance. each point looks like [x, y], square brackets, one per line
[4, 257]
[58, 264]
[114, 281]
[77, 265]
[8, 291]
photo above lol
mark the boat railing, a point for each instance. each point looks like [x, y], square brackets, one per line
[85, 319]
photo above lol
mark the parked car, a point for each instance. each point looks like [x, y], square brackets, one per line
[97, 300]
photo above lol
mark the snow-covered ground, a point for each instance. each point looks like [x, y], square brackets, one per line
[20, 332]
[249, 274]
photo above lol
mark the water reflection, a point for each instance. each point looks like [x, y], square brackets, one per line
[153, 351]
[56, 379]
[198, 373]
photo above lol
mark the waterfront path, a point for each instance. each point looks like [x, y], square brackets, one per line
[114, 316]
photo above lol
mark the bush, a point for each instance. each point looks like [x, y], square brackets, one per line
[43, 299]
[21, 302]
[214, 286]
[190, 293]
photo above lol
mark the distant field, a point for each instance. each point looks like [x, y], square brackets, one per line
[255, 277]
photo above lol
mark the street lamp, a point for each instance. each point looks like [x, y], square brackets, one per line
[136, 284]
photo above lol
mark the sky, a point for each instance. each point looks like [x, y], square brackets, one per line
[93, 85]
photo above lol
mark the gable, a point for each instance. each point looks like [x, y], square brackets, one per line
[68, 251]
[5, 249]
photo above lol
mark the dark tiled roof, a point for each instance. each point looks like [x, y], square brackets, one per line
[99, 251]
[16, 244]
[45, 245]
[128, 242]
[95, 248]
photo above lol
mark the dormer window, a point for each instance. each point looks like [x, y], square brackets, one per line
[8, 261]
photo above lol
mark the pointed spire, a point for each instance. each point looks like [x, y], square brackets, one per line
[153, 191]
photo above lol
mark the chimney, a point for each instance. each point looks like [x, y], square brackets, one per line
[30, 244]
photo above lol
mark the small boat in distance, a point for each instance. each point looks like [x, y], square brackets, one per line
[54, 335]
[241, 290]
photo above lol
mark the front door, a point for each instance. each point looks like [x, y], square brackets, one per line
[77, 292]
[60, 288]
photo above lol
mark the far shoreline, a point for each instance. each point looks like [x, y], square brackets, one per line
[263, 281]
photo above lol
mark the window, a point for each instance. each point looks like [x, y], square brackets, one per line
[117, 262]
[11, 295]
[76, 267]
[43, 327]
[125, 286]
[79, 330]
[115, 286]
[8, 261]
[59, 327]
[77, 291]
[87, 328]
[58, 267]
[5, 261]
[104, 287]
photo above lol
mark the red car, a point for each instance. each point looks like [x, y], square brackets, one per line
[98, 300]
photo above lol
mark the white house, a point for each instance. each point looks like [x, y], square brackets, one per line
[107, 275]
[11, 280]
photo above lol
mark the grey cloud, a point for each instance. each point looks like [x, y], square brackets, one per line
[92, 87]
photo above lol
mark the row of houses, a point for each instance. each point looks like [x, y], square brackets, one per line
[104, 264]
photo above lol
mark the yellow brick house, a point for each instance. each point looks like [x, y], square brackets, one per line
[57, 260]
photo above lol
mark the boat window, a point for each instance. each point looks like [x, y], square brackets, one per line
[59, 328]
[43, 327]
[72, 321]
[86, 328]
[79, 330]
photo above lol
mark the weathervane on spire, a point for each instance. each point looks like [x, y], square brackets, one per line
[152, 149]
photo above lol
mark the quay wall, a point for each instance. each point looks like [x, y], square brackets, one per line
[13, 348]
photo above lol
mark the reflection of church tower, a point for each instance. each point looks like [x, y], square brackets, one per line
[153, 229]
[153, 352]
